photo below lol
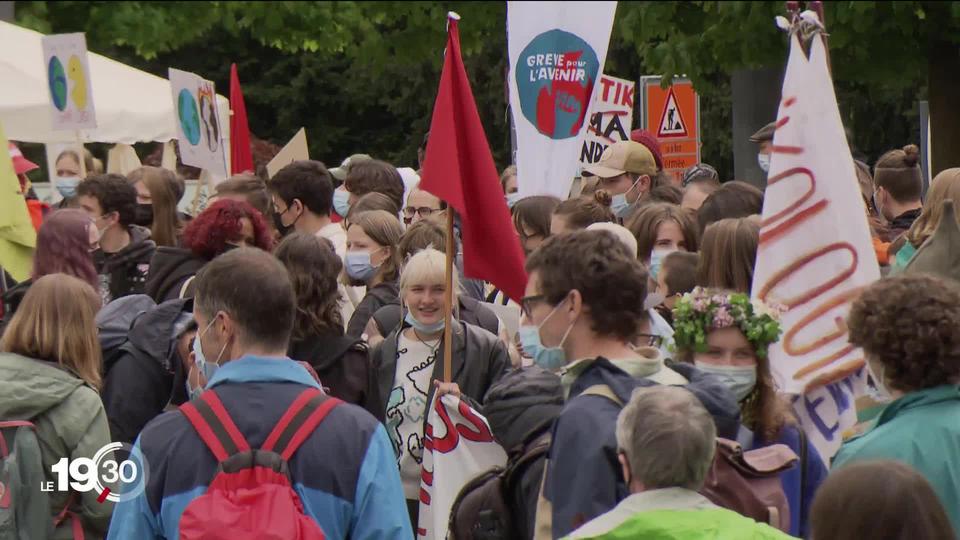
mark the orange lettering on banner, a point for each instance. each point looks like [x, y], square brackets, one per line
[774, 229]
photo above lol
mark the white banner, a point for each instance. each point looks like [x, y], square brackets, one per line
[68, 79]
[199, 133]
[458, 446]
[557, 51]
[815, 253]
[611, 115]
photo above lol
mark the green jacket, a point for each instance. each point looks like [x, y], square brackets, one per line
[921, 429]
[673, 514]
[70, 422]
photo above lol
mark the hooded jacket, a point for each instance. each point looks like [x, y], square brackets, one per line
[170, 268]
[147, 373]
[125, 272]
[343, 365]
[921, 430]
[70, 423]
[584, 478]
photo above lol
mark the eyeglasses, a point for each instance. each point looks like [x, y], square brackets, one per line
[649, 340]
[424, 211]
[527, 303]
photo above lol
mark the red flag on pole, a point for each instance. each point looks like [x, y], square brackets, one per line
[241, 157]
[459, 169]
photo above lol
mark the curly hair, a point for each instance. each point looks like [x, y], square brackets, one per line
[610, 279]
[209, 233]
[63, 246]
[114, 194]
[908, 324]
[313, 266]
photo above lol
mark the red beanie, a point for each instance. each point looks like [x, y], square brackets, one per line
[644, 137]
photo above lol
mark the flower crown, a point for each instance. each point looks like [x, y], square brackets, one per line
[700, 311]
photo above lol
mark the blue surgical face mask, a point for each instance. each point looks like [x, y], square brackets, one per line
[67, 185]
[552, 358]
[424, 328]
[656, 260]
[512, 199]
[619, 204]
[741, 380]
[359, 265]
[203, 366]
[763, 160]
[341, 202]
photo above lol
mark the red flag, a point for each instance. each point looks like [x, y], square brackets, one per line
[241, 157]
[459, 169]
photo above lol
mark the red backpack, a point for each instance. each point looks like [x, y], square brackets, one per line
[251, 495]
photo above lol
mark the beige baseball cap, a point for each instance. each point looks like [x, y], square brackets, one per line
[623, 157]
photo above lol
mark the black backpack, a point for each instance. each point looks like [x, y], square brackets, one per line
[484, 508]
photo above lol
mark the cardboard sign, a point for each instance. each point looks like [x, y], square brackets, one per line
[672, 115]
[198, 123]
[556, 51]
[611, 116]
[295, 150]
[68, 79]
[815, 254]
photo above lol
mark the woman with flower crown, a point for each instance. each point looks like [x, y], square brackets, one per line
[728, 335]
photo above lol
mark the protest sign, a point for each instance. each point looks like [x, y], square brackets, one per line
[458, 446]
[68, 79]
[672, 115]
[815, 254]
[557, 51]
[199, 132]
[295, 150]
[611, 115]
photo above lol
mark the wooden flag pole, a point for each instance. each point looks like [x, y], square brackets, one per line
[448, 301]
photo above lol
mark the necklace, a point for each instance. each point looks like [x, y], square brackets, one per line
[432, 347]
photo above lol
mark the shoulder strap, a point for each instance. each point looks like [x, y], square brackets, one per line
[4, 450]
[214, 425]
[185, 286]
[301, 419]
[603, 390]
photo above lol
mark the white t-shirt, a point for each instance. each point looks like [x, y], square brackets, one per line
[407, 406]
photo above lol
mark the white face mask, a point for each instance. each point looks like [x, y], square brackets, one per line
[763, 160]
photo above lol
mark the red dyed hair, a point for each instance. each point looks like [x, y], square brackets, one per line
[209, 233]
[63, 246]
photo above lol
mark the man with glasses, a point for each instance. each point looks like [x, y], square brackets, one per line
[583, 310]
[421, 205]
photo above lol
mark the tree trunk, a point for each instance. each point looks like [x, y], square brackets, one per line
[944, 89]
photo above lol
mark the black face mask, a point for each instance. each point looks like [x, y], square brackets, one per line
[143, 215]
[278, 224]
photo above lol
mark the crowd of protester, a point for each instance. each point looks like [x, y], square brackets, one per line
[638, 356]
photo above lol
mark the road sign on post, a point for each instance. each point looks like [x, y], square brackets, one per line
[672, 115]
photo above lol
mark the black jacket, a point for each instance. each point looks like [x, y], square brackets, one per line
[471, 311]
[170, 268]
[12, 299]
[479, 360]
[343, 365]
[147, 373]
[125, 272]
[384, 294]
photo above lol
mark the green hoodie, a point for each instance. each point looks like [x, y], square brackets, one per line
[70, 423]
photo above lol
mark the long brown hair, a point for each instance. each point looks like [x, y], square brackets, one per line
[645, 224]
[945, 185]
[55, 322]
[163, 196]
[313, 266]
[728, 253]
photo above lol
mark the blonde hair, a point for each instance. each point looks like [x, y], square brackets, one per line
[945, 185]
[56, 322]
[427, 267]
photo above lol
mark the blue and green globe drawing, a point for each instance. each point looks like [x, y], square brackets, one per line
[189, 116]
[57, 79]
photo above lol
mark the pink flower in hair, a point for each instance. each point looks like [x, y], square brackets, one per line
[722, 318]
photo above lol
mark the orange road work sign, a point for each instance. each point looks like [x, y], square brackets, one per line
[672, 115]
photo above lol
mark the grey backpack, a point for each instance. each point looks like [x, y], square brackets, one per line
[24, 508]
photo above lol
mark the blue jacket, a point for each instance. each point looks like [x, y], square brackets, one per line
[799, 495]
[584, 479]
[345, 472]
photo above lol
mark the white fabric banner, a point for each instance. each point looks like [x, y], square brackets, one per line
[199, 132]
[815, 253]
[557, 51]
[611, 116]
[458, 446]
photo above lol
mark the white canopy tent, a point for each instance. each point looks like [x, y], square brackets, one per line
[132, 105]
